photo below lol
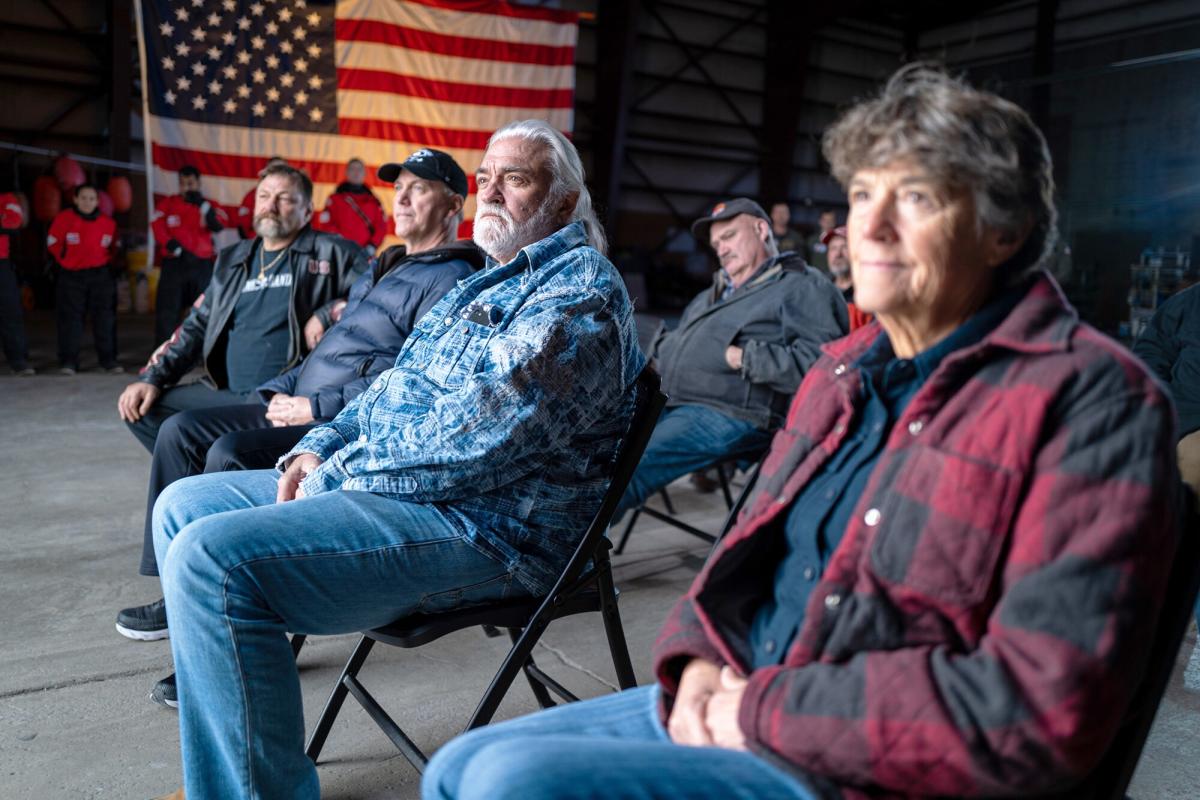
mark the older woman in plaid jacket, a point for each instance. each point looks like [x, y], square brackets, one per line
[948, 575]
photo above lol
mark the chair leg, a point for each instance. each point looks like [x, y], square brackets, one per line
[334, 704]
[666, 498]
[513, 663]
[539, 691]
[297, 643]
[633, 517]
[617, 646]
[724, 481]
[407, 747]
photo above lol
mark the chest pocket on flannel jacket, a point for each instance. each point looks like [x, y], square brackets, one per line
[458, 352]
[942, 525]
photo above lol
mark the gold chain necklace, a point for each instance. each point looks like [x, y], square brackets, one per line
[263, 266]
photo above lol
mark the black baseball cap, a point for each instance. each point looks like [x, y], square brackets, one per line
[432, 165]
[727, 210]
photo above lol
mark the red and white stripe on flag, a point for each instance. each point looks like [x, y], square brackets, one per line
[410, 74]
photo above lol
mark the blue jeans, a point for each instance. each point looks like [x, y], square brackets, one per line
[686, 439]
[609, 748]
[240, 570]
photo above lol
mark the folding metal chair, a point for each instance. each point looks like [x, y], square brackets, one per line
[725, 472]
[735, 506]
[1110, 780]
[585, 584]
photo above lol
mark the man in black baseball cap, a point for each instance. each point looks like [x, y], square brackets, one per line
[428, 205]
[432, 165]
[739, 351]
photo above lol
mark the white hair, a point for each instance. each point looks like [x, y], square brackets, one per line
[566, 171]
[770, 244]
[452, 224]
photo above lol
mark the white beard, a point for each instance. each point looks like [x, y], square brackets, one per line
[499, 236]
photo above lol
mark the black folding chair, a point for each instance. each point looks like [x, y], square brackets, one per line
[735, 507]
[725, 471]
[585, 584]
[1110, 780]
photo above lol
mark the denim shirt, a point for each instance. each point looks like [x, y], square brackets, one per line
[504, 408]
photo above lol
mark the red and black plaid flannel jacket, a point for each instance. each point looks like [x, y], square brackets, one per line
[985, 619]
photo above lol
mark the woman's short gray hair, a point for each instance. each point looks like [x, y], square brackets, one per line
[566, 171]
[963, 137]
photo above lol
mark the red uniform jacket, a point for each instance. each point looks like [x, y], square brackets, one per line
[356, 215]
[858, 317]
[77, 243]
[12, 217]
[177, 219]
[243, 215]
[984, 622]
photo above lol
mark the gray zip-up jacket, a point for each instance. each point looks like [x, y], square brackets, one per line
[780, 318]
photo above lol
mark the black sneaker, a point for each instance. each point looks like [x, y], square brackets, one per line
[164, 692]
[144, 623]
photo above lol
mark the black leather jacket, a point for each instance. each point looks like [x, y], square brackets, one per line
[323, 266]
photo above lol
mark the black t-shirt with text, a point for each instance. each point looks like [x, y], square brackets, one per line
[258, 332]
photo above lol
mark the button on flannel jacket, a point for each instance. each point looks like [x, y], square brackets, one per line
[984, 622]
[505, 407]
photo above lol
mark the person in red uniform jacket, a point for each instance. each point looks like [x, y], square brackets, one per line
[354, 211]
[243, 214]
[81, 242]
[12, 323]
[183, 226]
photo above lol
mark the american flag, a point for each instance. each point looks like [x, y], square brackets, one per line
[230, 83]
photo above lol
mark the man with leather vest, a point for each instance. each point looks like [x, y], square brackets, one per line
[247, 327]
[383, 307]
[740, 350]
[354, 211]
[183, 225]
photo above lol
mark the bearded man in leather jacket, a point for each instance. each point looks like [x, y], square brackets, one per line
[248, 326]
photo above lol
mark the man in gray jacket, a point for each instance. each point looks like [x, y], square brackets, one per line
[737, 356]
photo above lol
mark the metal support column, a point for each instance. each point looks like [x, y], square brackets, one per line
[1043, 61]
[616, 34]
[789, 31]
[120, 89]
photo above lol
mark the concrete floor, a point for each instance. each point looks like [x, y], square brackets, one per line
[75, 721]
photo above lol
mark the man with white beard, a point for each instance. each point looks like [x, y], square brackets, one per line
[455, 479]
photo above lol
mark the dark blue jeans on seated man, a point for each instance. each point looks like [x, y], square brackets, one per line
[686, 439]
[217, 439]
